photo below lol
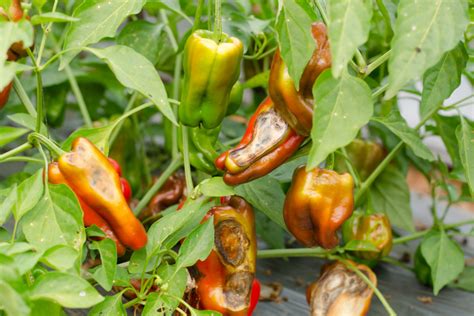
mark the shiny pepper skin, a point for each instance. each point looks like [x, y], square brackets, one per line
[372, 228]
[93, 178]
[89, 215]
[317, 204]
[364, 156]
[339, 291]
[210, 70]
[172, 192]
[226, 277]
[296, 106]
[267, 143]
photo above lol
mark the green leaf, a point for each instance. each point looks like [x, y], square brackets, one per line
[60, 257]
[55, 220]
[99, 136]
[65, 289]
[29, 194]
[27, 121]
[390, 194]
[465, 137]
[343, 105]
[266, 195]
[446, 129]
[12, 302]
[197, 246]
[269, 231]
[215, 187]
[46, 308]
[176, 280]
[349, 25]
[111, 306]
[12, 32]
[136, 72]
[9, 134]
[8, 199]
[465, 281]
[105, 273]
[56, 17]
[155, 305]
[143, 37]
[442, 79]
[424, 31]
[445, 258]
[98, 19]
[294, 35]
[397, 125]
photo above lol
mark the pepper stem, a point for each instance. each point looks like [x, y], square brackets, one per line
[52, 147]
[217, 21]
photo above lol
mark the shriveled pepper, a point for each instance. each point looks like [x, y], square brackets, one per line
[267, 143]
[364, 156]
[172, 192]
[296, 106]
[226, 277]
[340, 291]
[90, 216]
[210, 70]
[371, 228]
[317, 204]
[92, 177]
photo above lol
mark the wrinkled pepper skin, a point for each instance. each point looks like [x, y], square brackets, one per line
[317, 204]
[372, 228]
[422, 269]
[339, 291]
[267, 143]
[210, 70]
[172, 192]
[364, 156]
[93, 178]
[296, 106]
[89, 216]
[226, 277]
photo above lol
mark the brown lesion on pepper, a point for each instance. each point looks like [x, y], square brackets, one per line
[237, 289]
[231, 241]
[270, 130]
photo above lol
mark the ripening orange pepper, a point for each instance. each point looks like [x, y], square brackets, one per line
[340, 291]
[267, 143]
[93, 178]
[90, 216]
[226, 277]
[317, 203]
[296, 106]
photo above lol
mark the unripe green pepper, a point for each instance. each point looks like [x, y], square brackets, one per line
[372, 228]
[422, 269]
[210, 70]
[235, 100]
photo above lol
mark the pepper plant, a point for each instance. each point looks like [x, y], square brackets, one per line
[169, 91]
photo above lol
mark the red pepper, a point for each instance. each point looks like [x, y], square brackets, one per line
[254, 296]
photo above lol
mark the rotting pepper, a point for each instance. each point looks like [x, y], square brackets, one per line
[93, 178]
[296, 106]
[372, 228]
[317, 204]
[172, 192]
[340, 291]
[267, 143]
[226, 277]
[89, 215]
[211, 67]
[364, 156]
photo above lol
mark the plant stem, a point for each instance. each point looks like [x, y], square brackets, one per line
[46, 31]
[176, 86]
[349, 167]
[379, 91]
[379, 295]
[175, 164]
[420, 234]
[52, 147]
[117, 129]
[321, 11]
[376, 63]
[169, 31]
[197, 16]
[455, 104]
[217, 21]
[294, 252]
[385, 15]
[21, 159]
[360, 61]
[20, 91]
[15, 151]
[187, 166]
[78, 95]
[39, 92]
